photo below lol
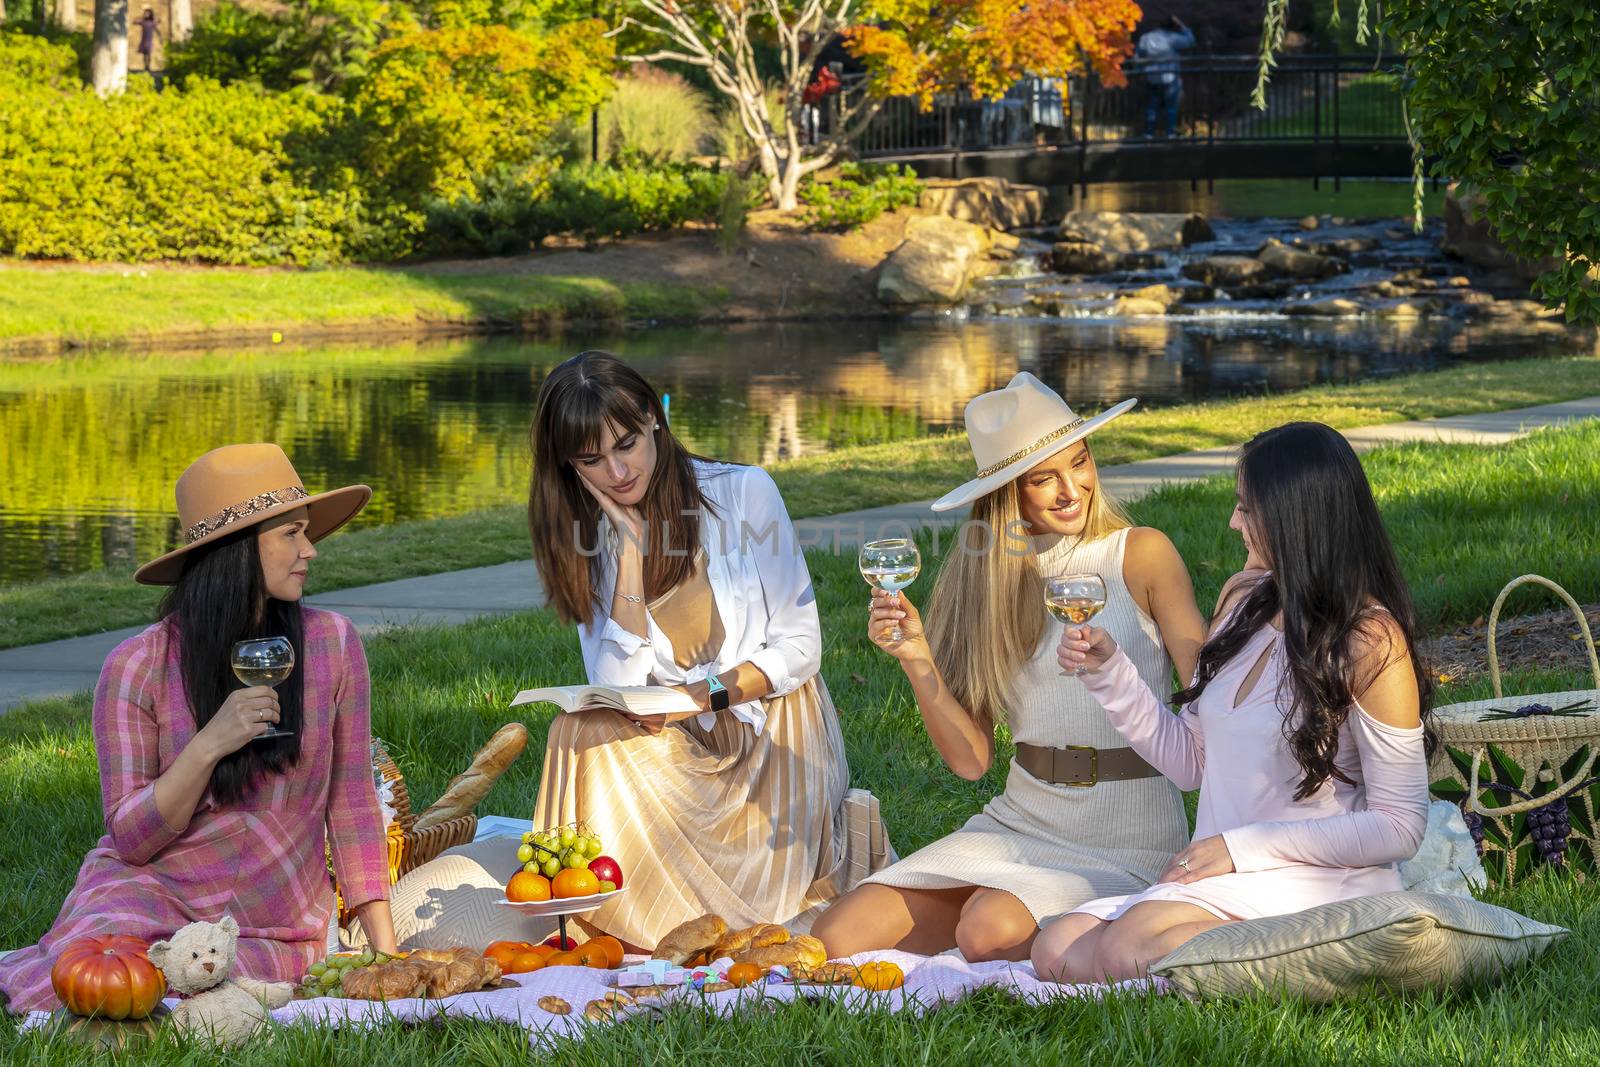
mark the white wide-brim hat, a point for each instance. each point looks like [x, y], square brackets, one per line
[1012, 429]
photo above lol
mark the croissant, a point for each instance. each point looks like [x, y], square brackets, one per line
[803, 952]
[758, 936]
[396, 980]
[689, 939]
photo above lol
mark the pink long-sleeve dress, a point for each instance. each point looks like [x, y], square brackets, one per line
[1288, 855]
[260, 860]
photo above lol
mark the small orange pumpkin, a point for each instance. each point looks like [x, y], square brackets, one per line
[880, 975]
[108, 977]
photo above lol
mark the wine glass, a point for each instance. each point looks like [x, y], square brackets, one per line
[1075, 599]
[891, 565]
[264, 661]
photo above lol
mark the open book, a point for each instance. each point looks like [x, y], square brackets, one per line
[635, 699]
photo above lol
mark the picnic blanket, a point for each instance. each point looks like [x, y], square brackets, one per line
[930, 981]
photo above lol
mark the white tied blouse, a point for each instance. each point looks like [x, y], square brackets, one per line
[763, 592]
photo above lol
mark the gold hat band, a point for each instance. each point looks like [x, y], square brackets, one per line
[236, 512]
[1053, 435]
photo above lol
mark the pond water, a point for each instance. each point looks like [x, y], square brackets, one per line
[91, 443]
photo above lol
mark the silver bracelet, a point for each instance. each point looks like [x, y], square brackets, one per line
[631, 599]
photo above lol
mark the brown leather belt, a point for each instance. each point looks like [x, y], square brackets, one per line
[1083, 765]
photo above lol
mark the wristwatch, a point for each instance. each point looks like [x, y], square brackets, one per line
[719, 693]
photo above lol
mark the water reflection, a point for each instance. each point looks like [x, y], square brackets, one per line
[90, 444]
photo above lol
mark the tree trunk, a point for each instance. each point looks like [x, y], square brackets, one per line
[108, 65]
[2, 10]
[66, 14]
[182, 21]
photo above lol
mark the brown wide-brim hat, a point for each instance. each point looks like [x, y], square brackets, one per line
[238, 486]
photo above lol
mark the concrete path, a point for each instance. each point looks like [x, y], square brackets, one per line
[58, 668]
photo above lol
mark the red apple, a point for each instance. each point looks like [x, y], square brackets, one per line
[606, 869]
[555, 942]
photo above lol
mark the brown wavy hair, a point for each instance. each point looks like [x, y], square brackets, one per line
[1333, 566]
[580, 399]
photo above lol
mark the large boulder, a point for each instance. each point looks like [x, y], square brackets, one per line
[1468, 236]
[1116, 231]
[934, 264]
[992, 202]
[1286, 262]
[1334, 307]
[1137, 307]
[1225, 270]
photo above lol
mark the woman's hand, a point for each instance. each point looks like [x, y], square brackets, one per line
[1205, 858]
[243, 717]
[885, 612]
[1084, 648]
[629, 521]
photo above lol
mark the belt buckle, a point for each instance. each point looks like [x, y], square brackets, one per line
[1094, 767]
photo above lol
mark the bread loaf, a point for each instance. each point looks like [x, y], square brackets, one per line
[687, 940]
[472, 785]
[802, 953]
[758, 936]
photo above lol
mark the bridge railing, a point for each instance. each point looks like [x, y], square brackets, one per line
[1309, 99]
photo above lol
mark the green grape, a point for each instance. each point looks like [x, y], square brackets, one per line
[528, 837]
[532, 866]
[317, 970]
[552, 867]
[525, 853]
[568, 836]
[542, 840]
[365, 959]
[592, 847]
[608, 887]
[329, 980]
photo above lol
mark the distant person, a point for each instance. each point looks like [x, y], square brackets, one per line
[1157, 54]
[147, 36]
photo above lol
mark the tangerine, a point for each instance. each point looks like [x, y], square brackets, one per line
[743, 974]
[575, 882]
[523, 962]
[545, 951]
[502, 952]
[592, 955]
[613, 947]
[563, 959]
[526, 886]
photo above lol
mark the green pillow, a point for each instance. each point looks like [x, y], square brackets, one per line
[1402, 941]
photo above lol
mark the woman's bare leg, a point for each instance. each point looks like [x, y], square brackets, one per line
[995, 925]
[876, 916]
[1146, 933]
[1066, 947]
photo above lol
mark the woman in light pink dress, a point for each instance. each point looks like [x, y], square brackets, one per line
[1309, 697]
[206, 813]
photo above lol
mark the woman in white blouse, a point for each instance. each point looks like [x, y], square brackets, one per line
[685, 572]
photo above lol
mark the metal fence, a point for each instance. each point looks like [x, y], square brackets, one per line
[1313, 99]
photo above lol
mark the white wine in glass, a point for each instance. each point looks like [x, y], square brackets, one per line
[1075, 599]
[891, 565]
[264, 661]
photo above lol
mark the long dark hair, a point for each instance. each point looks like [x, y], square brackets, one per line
[580, 398]
[219, 599]
[1332, 566]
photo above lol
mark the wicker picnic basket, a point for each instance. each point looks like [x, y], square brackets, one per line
[1523, 767]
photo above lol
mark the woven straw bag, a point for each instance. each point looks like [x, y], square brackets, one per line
[1503, 765]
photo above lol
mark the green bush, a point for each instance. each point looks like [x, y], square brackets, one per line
[320, 44]
[514, 210]
[860, 193]
[654, 114]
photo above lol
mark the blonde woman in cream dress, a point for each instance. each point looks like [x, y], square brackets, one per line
[1082, 816]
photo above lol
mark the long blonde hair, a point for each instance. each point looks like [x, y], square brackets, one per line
[987, 612]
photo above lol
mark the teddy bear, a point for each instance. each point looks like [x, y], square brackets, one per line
[197, 961]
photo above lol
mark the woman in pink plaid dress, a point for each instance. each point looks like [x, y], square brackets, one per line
[206, 816]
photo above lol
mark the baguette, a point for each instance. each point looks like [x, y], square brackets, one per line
[472, 785]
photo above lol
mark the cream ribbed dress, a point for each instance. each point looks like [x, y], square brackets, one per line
[1057, 847]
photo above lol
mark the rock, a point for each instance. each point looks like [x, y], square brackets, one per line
[1345, 246]
[1197, 230]
[1286, 262]
[1165, 295]
[1394, 234]
[1458, 281]
[1001, 243]
[1275, 289]
[1079, 257]
[1404, 309]
[1469, 237]
[1118, 232]
[992, 202]
[1310, 222]
[1225, 270]
[933, 265]
[1130, 306]
[1139, 261]
[1336, 306]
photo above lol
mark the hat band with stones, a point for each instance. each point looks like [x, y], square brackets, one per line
[255, 505]
[1054, 435]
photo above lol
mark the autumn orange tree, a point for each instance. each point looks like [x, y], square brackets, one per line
[918, 48]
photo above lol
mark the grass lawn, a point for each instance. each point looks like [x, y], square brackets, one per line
[847, 479]
[89, 306]
[1464, 520]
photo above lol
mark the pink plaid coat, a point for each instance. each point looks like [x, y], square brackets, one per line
[260, 860]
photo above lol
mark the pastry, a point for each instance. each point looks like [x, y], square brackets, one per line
[555, 1005]
[459, 970]
[804, 951]
[758, 936]
[472, 785]
[609, 1006]
[395, 980]
[687, 940]
[830, 974]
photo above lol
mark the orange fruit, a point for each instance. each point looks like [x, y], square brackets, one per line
[743, 974]
[523, 962]
[545, 951]
[612, 946]
[502, 952]
[563, 959]
[880, 975]
[525, 886]
[575, 882]
[592, 955]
